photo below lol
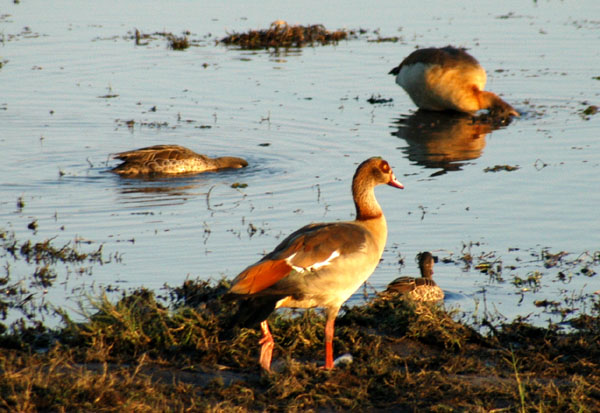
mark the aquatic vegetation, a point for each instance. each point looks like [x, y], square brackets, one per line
[390, 39]
[497, 168]
[174, 42]
[24, 294]
[373, 100]
[151, 125]
[591, 110]
[178, 43]
[280, 34]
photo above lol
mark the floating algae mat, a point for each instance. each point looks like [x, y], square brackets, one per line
[280, 34]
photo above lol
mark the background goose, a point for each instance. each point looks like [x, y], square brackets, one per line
[448, 78]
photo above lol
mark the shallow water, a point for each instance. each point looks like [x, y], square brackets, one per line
[72, 77]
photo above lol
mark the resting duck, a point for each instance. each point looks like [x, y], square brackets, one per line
[419, 289]
[171, 160]
[319, 265]
[448, 78]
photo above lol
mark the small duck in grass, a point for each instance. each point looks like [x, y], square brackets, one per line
[171, 160]
[418, 289]
[448, 78]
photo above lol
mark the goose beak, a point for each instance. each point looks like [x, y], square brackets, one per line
[394, 182]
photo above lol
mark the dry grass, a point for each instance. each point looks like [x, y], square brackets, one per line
[141, 352]
[145, 354]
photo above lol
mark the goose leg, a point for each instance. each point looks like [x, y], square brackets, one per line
[266, 349]
[329, 343]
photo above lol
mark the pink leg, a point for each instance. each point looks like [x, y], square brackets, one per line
[266, 349]
[329, 342]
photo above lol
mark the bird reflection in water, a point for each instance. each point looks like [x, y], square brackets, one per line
[155, 191]
[444, 140]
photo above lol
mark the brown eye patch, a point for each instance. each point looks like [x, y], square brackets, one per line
[385, 167]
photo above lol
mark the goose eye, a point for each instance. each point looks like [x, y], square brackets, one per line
[385, 167]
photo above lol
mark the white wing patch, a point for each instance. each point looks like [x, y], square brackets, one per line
[314, 266]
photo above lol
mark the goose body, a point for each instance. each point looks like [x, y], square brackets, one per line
[319, 265]
[419, 289]
[171, 160]
[448, 78]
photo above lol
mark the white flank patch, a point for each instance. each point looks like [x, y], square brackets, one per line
[316, 265]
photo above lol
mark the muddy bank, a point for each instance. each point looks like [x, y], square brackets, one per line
[145, 353]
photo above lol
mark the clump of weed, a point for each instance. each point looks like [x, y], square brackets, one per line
[178, 43]
[375, 100]
[138, 324]
[497, 168]
[190, 327]
[199, 294]
[174, 42]
[391, 316]
[590, 110]
[282, 35]
[390, 39]
[426, 322]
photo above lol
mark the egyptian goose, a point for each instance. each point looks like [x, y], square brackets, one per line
[448, 78]
[419, 289]
[171, 160]
[319, 265]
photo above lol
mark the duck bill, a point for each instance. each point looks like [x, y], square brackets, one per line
[394, 182]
